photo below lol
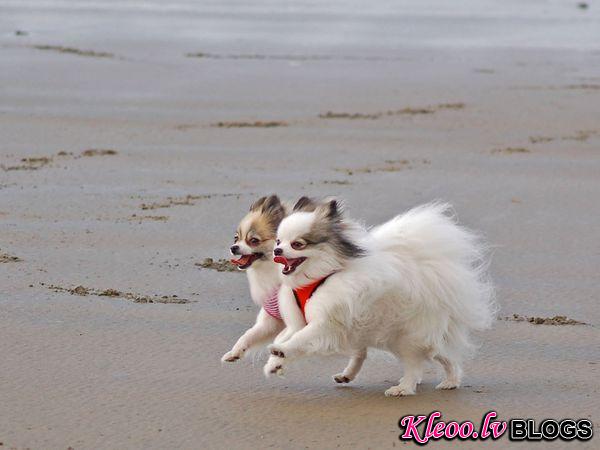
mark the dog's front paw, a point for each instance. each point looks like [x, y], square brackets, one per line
[341, 378]
[277, 350]
[232, 355]
[273, 366]
[399, 391]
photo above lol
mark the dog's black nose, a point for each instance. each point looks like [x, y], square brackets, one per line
[234, 249]
[278, 251]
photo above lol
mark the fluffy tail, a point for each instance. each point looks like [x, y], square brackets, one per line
[446, 265]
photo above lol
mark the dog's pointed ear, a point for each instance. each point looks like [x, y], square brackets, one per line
[305, 204]
[335, 209]
[271, 203]
[332, 209]
[258, 204]
[273, 211]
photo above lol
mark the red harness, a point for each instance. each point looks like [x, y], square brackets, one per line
[304, 293]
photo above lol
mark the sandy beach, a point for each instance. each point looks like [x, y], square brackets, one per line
[135, 135]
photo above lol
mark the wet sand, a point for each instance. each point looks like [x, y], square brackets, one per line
[133, 140]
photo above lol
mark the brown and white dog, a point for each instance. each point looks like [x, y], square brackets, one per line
[253, 247]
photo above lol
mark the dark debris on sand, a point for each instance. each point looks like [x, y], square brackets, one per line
[6, 258]
[540, 139]
[185, 200]
[140, 219]
[74, 51]
[391, 165]
[256, 124]
[98, 152]
[136, 298]
[289, 57]
[173, 201]
[579, 136]
[220, 265]
[338, 182]
[409, 111]
[556, 320]
[37, 162]
[32, 163]
[511, 150]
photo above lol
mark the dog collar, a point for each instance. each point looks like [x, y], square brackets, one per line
[304, 293]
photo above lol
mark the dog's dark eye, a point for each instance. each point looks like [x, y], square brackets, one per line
[277, 241]
[297, 245]
[254, 241]
[235, 238]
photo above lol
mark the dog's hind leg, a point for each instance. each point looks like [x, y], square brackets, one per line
[453, 373]
[353, 367]
[413, 360]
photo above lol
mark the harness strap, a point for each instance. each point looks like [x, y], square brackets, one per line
[304, 293]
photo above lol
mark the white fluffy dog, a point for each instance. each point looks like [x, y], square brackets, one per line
[252, 249]
[415, 286]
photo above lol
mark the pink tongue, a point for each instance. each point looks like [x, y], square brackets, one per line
[281, 260]
[242, 261]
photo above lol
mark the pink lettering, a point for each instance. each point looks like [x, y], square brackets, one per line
[451, 429]
[485, 426]
[431, 426]
[498, 429]
[466, 430]
[410, 431]
[436, 429]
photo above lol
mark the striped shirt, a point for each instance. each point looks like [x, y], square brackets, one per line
[271, 305]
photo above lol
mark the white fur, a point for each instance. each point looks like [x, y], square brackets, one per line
[419, 292]
[263, 279]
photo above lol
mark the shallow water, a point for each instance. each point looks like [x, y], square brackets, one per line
[308, 26]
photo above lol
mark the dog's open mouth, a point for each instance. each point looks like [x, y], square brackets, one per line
[245, 261]
[289, 265]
